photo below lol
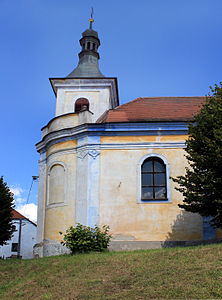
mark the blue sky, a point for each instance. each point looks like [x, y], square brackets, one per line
[153, 47]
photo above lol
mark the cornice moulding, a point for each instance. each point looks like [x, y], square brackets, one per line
[117, 129]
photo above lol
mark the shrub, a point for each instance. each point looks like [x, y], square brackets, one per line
[84, 239]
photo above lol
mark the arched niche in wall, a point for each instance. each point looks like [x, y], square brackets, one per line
[81, 104]
[56, 184]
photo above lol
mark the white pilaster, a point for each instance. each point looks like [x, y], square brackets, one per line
[87, 197]
[82, 183]
[41, 198]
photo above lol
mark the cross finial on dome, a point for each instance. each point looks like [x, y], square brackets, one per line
[91, 19]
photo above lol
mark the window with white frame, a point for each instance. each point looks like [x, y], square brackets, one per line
[153, 180]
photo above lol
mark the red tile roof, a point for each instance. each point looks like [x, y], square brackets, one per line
[154, 109]
[16, 215]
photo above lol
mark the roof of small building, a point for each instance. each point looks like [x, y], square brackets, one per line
[16, 216]
[153, 109]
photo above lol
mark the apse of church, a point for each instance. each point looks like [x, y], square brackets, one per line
[105, 163]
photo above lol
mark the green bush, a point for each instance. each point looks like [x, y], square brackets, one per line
[84, 239]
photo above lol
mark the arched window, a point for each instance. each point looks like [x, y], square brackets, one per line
[81, 104]
[153, 180]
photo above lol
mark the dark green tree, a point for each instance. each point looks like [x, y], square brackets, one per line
[202, 184]
[6, 205]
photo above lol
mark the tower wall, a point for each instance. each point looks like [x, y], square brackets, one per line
[99, 101]
[101, 93]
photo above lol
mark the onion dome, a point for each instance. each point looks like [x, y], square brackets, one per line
[88, 58]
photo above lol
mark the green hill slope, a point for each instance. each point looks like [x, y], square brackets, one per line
[181, 273]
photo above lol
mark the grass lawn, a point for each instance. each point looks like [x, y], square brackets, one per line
[182, 273]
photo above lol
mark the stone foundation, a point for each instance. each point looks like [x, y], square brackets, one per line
[143, 245]
[51, 249]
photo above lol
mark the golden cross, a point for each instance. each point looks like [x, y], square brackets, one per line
[91, 19]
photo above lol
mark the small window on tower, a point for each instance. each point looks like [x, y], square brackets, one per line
[88, 45]
[81, 104]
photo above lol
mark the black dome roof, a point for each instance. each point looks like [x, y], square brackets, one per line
[90, 32]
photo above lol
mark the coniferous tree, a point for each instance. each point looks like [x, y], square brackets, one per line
[202, 184]
[6, 205]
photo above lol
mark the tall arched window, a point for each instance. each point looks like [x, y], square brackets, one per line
[153, 180]
[81, 104]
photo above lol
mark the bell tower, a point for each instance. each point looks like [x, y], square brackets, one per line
[69, 165]
[86, 81]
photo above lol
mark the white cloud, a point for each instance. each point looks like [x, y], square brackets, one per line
[29, 211]
[19, 197]
[17, 191]
[19, 200]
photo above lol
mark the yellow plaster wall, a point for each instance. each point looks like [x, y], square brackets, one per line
[130, 220]
[60, 217]
[119, 209]
[62, 146]
[57, 219]
[64, 121]
[141, 139]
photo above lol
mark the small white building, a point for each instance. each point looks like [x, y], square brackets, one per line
[28, 238]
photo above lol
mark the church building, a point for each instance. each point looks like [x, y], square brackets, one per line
[109, 164]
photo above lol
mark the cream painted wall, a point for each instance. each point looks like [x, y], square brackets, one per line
[142, 139]
[66, 121]
[59, 216]
[119, 209]
[99, 101]
[118, 188]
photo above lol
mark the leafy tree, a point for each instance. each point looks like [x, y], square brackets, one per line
[202, 184]
[6, 205]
